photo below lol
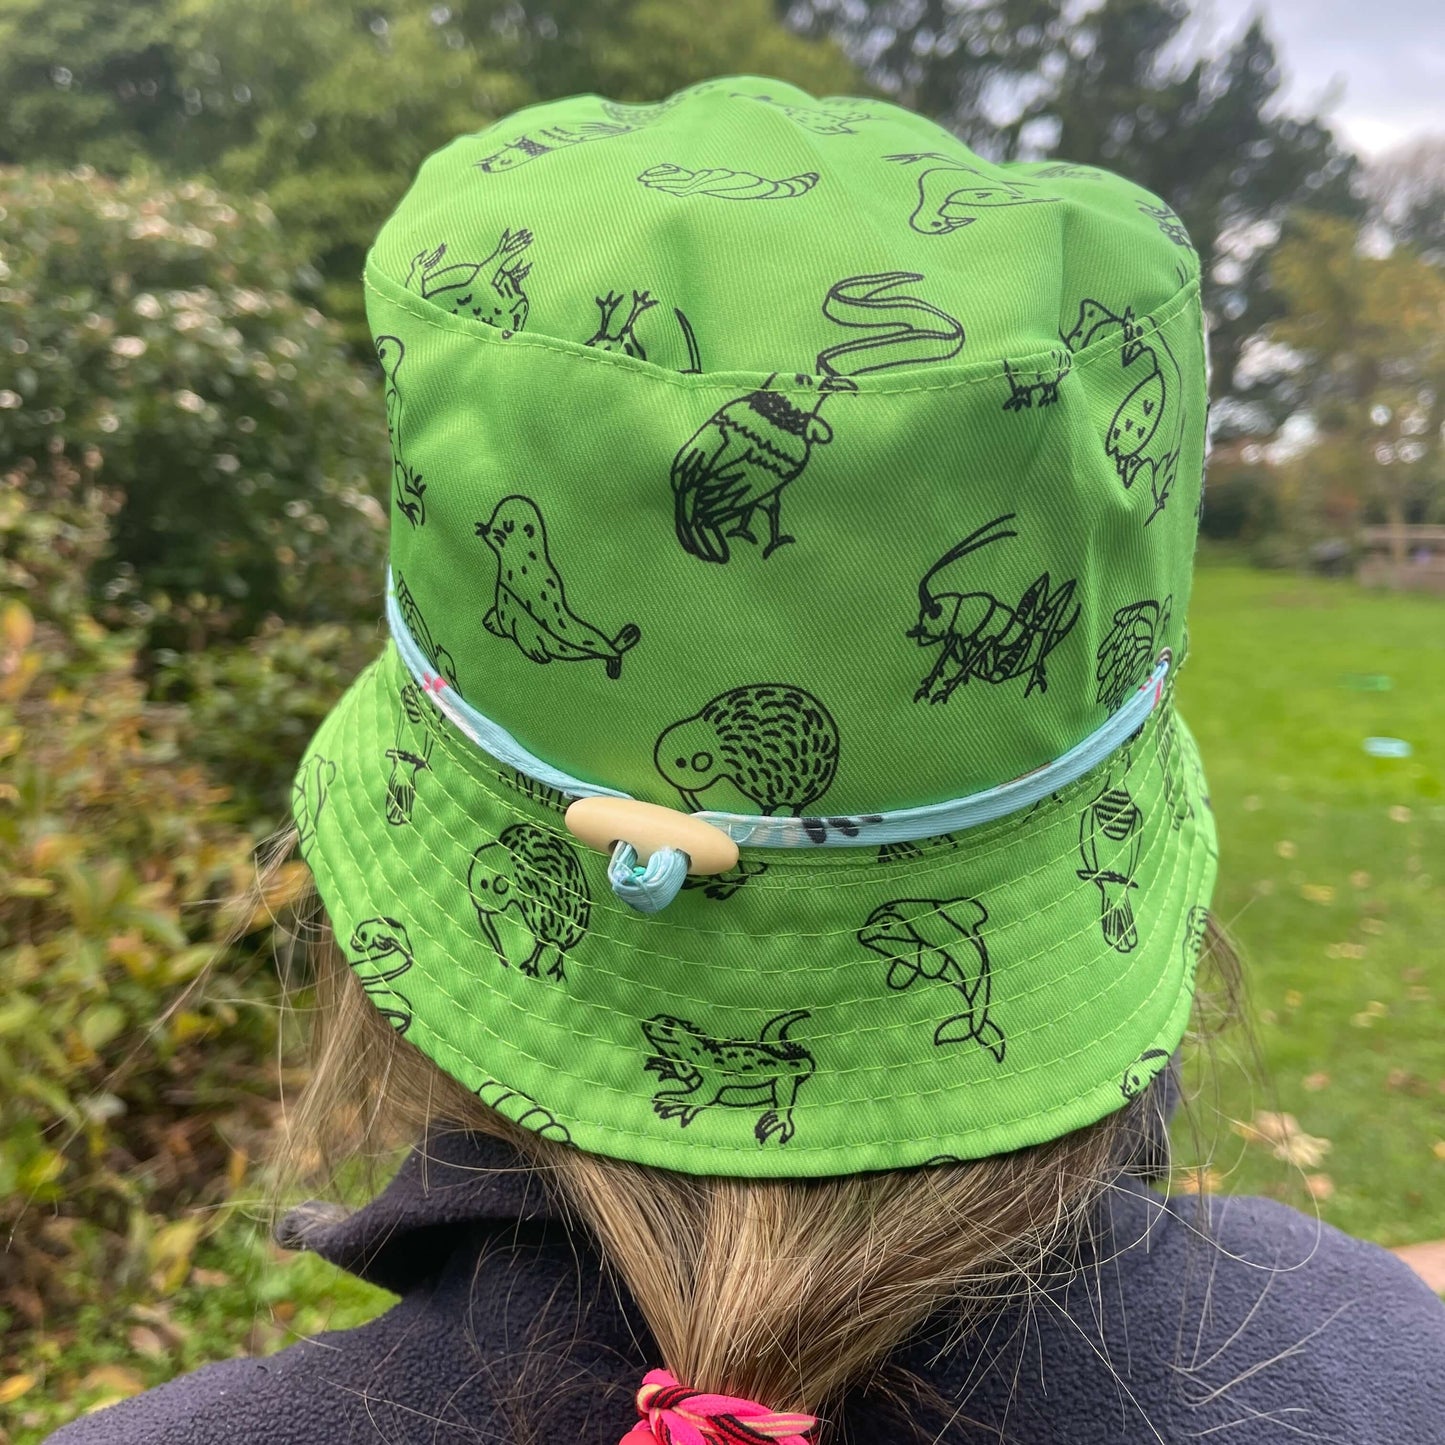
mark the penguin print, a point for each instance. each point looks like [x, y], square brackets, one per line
[380, 952]
[1111, 832]
[530, 607]
[725, 184]
[408, 488]
[951, 191]
[488, 290]
[1130, 648]
[531, 898]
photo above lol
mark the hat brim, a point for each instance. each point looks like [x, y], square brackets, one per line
[814, 1012]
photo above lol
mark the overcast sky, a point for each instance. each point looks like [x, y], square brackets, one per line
[1381, 62]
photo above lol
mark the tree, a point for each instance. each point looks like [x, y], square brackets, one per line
[1406, 187]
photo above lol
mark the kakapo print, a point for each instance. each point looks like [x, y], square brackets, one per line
[950, 192]
[830, 117]
[1143, 1071]
[775, 744]
[1111, 831]
[530, 606]
[1146, 433]
[939, 940]
[523, 1109]
[765, 1074]
[1130, 648]
[440, 659]
[410, 756]
[408, 488]
[1169, 224]
[1037, 383]
[979, 635]
[725, 184]
[541, 141]
[618, 333]
[736, 464]
[379, 952]
[489, 290]
[531, 898]
[308, 797]
[721, 886]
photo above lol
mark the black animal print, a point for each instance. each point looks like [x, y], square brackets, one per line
[530, 145]
[543, 794]
[530, 607]
[1128, 652]
[1064, 170]
[531, 898]
[523, 1109]
[1176, 795]
[1111, 831]
[612, 335]
[838, 118]
[421, 634]
[775, 744]
[408, 489]
[410, 756]
[1146, 433]
[764, 1074]
[914, 849]
[489, 290]
[980, 636]
[380, 951]
[1196, 929]
[738, 462]
[1168, 223]
[725, 184]
[308, 797]
[951, 191]
[1143, 1071]
[722, 886]
[1039, 384]
[939, 940]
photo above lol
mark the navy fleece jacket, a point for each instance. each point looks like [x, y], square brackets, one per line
[1263, 1326]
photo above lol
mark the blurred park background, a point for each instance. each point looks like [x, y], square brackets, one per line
[193, 482]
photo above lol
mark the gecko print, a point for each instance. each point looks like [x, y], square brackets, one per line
[775, 744]
[530, 607]
[737, 463]
[308, 798]
[380, 951]
[1196, 930]
[838, 118]
[1143, 1071]
[950, 192]
[1111, 833]
[1168, 223]
[765, 1074]
[1036, 385]
[726, 185]
[913, 850]
[979, 635]
[408, 488]
[616, 333]
[1127, 655]
[1146, 432]
[410, 756]
[489, 290]
[523, 1109]
[440, 659]
[721, 886]
[532, 144]
[938, 940]
[531, 898]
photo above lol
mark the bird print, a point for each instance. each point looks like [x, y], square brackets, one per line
[308, 798]
[530, 607]
[1143, 1071]
[380, 951]
[523, 1109]
[409, 756]
[437, 655]
[408, 488]
[980, 636]
[725, 184]
[531, 898]
[1111, 831]
[949, 193]
[489, 291]
[938, 940]
[773, 743]
[612, 336]
[1128, 652]
[1146, 433]
[1036, 385]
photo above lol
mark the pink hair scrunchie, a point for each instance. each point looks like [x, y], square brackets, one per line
[674, 1415]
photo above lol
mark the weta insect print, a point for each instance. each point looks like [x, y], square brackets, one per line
[489, 290]
[981, 636]
[939, 940]
[380, 951]
[408, 488]
[765, 1073]
[951, 191]
[1111, 833]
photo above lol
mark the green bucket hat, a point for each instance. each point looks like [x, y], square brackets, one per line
[782, 462]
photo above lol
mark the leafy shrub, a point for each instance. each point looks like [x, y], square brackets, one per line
[149, 338]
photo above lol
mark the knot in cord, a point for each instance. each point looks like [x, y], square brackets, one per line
[647, 888]
[674, 1415]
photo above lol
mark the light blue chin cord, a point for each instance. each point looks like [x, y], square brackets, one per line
[651, 887]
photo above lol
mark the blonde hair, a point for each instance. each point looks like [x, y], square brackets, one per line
[784, 1291]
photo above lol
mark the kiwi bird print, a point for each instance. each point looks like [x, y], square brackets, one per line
[773, 743]
[408, 488]
[380, 952]
[735, 466]
[726, 185]
[951, 191]
[1146, 433]
[981, 636]
[939, 941]
[523, 1109]
[530, 607]
[308, 798]
[531, 898]
[488, 290]
[1111, 833]
[1128, 652]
